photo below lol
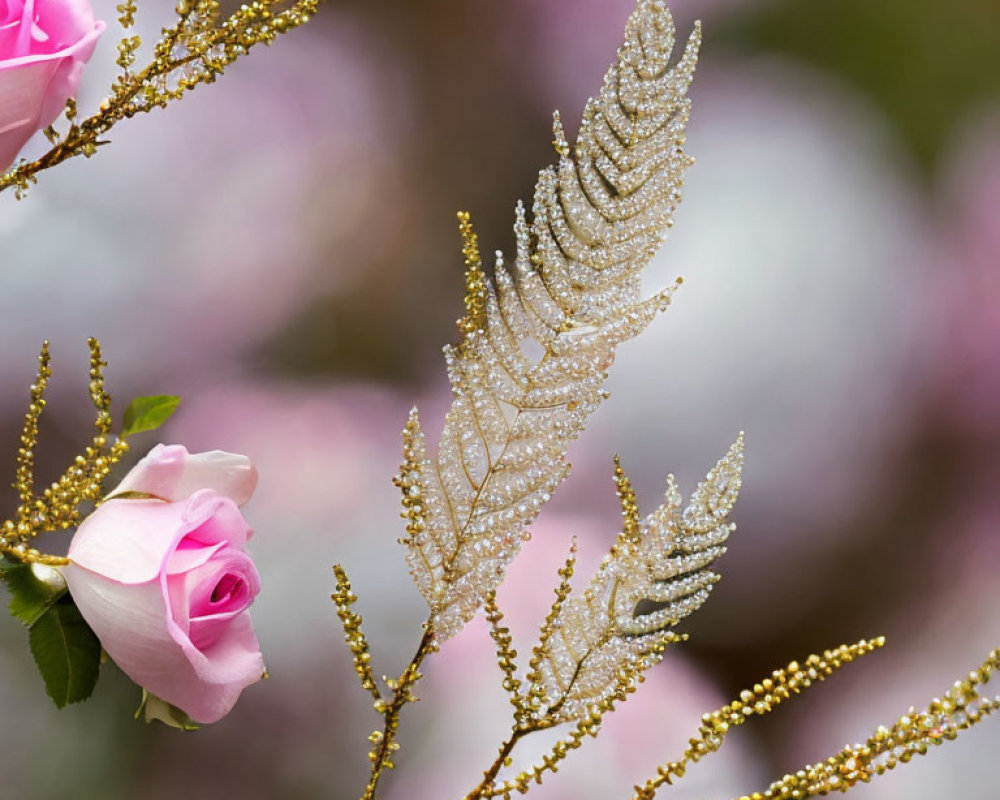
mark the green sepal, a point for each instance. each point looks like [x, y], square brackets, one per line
[148, 413]
[155, 708]
[67, 653]
[30, 596]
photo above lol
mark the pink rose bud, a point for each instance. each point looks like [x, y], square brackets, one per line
[43, 47]
[165, 583]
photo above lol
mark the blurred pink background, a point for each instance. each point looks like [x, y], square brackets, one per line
[281, 250]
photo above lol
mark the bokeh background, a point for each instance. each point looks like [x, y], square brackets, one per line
[281, 250]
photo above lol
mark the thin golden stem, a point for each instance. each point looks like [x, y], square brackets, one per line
[489, 776]
[86, 135]
[765, 696]
[386, 745]
[58, 506]
[216, 45]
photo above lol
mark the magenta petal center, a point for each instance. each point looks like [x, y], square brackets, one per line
[231, 588]
[206, 598]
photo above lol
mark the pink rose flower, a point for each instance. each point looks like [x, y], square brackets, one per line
[43, 47]
[165, 583]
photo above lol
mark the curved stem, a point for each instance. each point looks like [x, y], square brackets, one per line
[386, 746]
[88, 132]
[505, 750]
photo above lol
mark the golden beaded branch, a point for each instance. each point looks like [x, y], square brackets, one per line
[353, 635]
[59, 506]
[911, 735]
[506, 657]
[523, 781]
[536, 696]
[762, 699]
[629, 506]
[194, 51]
[410, 478]
[630, 676]
[475, 278]
[384, 744]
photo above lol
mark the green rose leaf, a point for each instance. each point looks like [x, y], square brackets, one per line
[154, 708]
[67, 652]
[148, 413]
[33, 589]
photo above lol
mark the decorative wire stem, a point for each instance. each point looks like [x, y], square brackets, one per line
[385, 741]
[489, 777]
[195, 51]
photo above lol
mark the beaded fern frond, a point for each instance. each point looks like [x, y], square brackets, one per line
[536, 341]
[597, 644]
[539, 337]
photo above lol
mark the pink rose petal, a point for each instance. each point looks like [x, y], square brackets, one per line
[166, 585]
[44, 45]
[170, 472]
